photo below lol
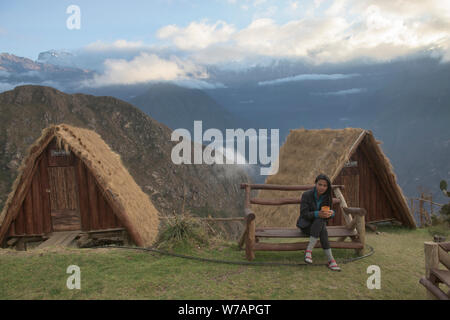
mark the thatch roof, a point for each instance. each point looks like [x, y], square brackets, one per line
[306, 153]
[130, 204]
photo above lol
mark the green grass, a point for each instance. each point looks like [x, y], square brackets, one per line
[132, 274]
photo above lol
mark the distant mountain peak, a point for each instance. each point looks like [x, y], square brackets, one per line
[57, 57]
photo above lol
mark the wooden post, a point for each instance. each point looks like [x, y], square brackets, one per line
[249, 234]
[421, 209]
[431, 262]
[250, 243]
[361, 228]
[242, 239]
[430, 196]
[246, 206]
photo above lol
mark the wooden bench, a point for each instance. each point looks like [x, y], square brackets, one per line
[354, 227]
[436, 253]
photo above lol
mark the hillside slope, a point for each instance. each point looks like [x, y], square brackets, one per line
[179, 107]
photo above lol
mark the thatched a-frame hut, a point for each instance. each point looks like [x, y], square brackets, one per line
[71, 180]
[350, 157]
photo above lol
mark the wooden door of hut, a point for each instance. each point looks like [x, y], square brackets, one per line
[64, 202]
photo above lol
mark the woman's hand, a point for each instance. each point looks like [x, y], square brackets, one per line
[325, 214]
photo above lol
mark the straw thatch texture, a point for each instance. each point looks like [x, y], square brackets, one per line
[304, 155]
[131, 205]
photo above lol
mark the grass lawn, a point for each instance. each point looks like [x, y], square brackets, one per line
[132, 274]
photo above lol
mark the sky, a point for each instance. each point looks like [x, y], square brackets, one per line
[136, 41]
[29, 27]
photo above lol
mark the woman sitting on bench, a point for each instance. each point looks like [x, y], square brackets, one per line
[313, 218]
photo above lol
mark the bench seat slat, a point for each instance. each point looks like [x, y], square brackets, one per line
[333, 231]
[442, 275]
[265, 246]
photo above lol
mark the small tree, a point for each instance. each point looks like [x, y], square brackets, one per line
[445, 210]
[441, 224]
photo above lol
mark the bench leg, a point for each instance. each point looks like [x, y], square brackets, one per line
[361, 229]
[242, 240]
[250, 241]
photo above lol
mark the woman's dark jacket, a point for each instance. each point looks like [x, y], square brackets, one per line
[308, 207]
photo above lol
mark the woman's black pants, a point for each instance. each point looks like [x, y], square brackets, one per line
[318, 229]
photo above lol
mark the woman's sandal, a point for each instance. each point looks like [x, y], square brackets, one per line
[308, 256]
[332, 265]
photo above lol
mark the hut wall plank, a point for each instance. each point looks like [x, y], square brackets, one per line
[387, 181]
[23, 186]
[12, 229]
[20, 222]
[28, 211]
[102, 218]
[110, 221]
[83, 195]
[374, 197]
[37, 204]
[96, 213]
[93, 201]
[44, 185]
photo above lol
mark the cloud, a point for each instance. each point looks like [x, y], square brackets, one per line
[144, 68]
[303, 77]
[120, 44]
[342, 92]
[380, 30]
[197, 35]
[6, 86]
[198, 84]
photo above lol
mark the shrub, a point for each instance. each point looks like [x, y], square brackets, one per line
[182, 230]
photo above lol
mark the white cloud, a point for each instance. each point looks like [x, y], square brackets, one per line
[343, 92]
[304, 77]
[348, 29]
[144, 68]
[197, 35]
[116, 45]
[198, 84]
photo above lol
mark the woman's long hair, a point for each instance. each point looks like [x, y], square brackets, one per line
[328, 196]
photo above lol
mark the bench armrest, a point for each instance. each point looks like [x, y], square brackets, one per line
[249, 215]
[355, 211]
